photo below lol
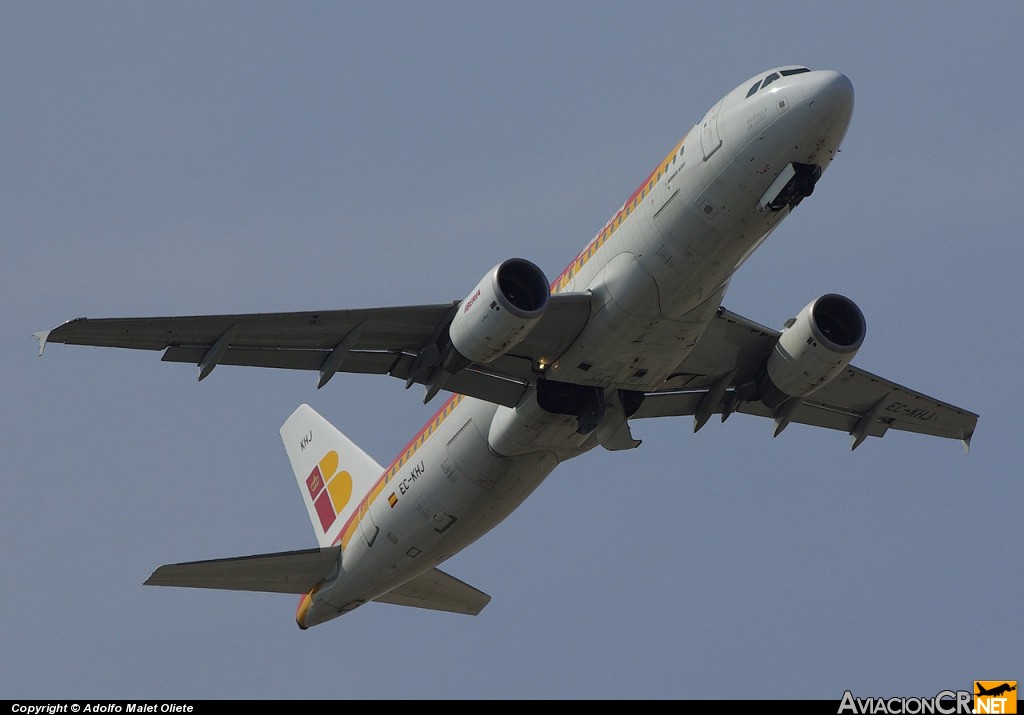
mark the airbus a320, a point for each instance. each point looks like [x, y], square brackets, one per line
[540, 371]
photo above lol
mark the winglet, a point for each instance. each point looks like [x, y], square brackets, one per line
[41, 337]
[966, 442]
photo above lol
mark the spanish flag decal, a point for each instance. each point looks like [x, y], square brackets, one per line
[392, 500]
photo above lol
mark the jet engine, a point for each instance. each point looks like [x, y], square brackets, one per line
[499, 312]
[813, 349]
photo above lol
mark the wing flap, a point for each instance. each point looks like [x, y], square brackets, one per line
[284, 572]
[902, 410]
[375, 363]
[437, 591]
[679, 404]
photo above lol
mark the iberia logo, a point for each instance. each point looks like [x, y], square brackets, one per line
[331, 500]
[995, 696]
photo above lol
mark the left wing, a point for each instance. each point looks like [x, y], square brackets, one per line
[713, 378]
[405, 342]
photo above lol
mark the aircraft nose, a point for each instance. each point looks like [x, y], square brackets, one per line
[829, 92]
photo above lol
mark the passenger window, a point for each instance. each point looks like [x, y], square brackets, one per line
[769, 79]
[754, 88]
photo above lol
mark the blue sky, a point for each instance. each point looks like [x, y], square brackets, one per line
[183, 158]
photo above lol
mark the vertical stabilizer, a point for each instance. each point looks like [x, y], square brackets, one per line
[333, 473]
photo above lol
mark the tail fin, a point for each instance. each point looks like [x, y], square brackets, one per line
[332, 472]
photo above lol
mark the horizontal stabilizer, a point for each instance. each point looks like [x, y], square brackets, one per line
[285, 572]
[438, 591]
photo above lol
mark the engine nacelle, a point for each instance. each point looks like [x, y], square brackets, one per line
[815, 347]
[499, 312]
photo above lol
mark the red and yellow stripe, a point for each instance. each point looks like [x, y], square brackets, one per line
[561, 283]
[400, 461]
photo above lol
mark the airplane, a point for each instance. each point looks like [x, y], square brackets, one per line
[996, 691]
[543, 371]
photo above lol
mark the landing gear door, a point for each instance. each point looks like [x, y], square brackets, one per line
[710, 140]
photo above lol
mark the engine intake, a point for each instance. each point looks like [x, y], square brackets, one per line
[498, 313]
[813, 349]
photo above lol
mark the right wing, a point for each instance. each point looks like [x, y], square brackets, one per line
[710, 381]
[405, 342]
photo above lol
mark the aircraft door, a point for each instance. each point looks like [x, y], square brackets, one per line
[710, 139]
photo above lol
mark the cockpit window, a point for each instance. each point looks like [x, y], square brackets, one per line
[774, 76]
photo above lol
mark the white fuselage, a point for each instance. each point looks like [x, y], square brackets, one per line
[657, 272]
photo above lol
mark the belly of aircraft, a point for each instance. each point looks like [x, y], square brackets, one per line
[461, 490]
[652, 300]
